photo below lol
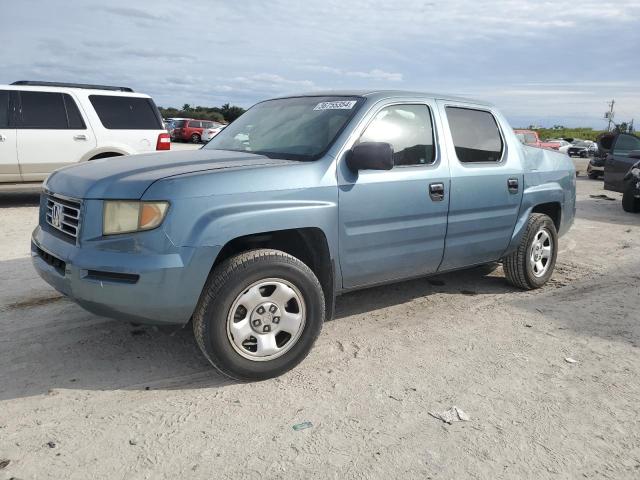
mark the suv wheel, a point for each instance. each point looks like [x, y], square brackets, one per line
[532, 264]
[629, 202]
[195, 138]
[259, 314]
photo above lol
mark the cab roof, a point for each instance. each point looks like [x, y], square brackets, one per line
[385, 94]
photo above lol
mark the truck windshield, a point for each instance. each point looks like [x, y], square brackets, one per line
[297, 128]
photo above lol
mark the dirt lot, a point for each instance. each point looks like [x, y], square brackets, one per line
[86, 397]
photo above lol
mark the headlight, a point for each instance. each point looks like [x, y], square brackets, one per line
[127, 217]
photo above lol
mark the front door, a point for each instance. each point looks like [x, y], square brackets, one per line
[390, 226]
[51, 133]
[486, 187]
[618, 162]
[9, 170]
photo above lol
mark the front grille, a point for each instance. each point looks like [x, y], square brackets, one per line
[63, 215]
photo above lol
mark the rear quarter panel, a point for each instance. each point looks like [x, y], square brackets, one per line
[549, 177]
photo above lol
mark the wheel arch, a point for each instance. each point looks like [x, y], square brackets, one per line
[552, 209]
[309, 245]
[104, 152]
[549, 199]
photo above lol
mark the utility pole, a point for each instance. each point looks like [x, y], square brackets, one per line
[610, 114]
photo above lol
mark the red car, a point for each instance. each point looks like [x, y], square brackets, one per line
[190, 130]
[530, 137]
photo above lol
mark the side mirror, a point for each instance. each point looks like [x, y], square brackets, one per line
[634, 154]
[370, 156]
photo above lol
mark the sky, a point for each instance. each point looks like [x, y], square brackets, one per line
[545, 63]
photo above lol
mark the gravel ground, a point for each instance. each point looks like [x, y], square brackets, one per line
[87, 397]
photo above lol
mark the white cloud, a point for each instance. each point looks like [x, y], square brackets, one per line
[377, 74]
[534, 57]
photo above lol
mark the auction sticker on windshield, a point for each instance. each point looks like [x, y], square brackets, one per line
[342, 105]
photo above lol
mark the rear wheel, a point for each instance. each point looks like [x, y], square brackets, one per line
[195, 138]
[629, 202]
[259, 314]
[532, 264]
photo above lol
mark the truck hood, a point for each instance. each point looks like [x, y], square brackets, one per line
[129, 177]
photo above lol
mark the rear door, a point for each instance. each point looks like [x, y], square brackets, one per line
[618, 163]
[51, 133]
[486, 186]
[9, 169]
[390, 226]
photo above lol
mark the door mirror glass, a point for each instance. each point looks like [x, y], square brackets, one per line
[371, 156]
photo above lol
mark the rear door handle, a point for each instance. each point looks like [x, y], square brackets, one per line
[79, 137]
[512, 185]
[436, 191]
[2, 138]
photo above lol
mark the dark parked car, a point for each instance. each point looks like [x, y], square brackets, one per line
[631, 194]
[595, 169]
[582, 149]
[622, 167]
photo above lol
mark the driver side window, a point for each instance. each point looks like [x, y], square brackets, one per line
[625, 144]
[408, 129]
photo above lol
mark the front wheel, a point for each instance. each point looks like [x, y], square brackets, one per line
[630, 203]
[259, 314]
[532, 264]
[195, 138]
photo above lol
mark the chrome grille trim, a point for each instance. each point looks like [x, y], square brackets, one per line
[63, 215]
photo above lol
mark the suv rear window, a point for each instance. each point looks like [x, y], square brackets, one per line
[50, 111]
[475, 135]
[4, 109]
[126, 113]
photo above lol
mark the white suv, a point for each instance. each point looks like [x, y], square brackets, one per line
[46, 125]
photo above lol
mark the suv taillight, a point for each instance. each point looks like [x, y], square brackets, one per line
[164, 142]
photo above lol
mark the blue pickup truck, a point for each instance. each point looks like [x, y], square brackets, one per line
[301, 199]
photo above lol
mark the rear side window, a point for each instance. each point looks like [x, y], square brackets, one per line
[408, 129]
[195, 124]
[625, 144]
[126, 113]
[475, 135]
[50, 111]
[4, 109]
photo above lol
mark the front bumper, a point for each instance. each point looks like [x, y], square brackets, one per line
[133, 286]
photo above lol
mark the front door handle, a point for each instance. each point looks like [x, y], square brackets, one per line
[2, 138]
[512, 185]
[79, 137]
[436, 191]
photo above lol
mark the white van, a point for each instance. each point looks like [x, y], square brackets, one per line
[46, 125]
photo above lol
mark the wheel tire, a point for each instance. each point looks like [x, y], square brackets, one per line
[225, 286]
[594, 175]
[629, 202]
[518, 266]
[195, 138]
